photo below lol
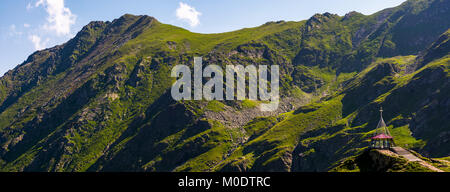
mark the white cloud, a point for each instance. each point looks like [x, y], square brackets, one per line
[188, 13]
[26, 25]
[13, 30]
[38, 3]
[37, 42]
[29, 6]
[60, 18]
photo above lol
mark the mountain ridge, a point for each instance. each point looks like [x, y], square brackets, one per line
[100, 102]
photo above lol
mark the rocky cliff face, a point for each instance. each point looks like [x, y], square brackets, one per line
[101, 101]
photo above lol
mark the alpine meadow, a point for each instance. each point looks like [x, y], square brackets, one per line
[102, 101]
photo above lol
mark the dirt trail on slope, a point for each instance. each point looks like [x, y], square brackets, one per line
[411, 157]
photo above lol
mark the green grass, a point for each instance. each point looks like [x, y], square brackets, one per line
[326, 114]
[402, 137]
[145, 60]
[444, 158]
[270, 141]
[215, 106]
[220, 141]
[247, 104]
[159, 34]
[376, 161]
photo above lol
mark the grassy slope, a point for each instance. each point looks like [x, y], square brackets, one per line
[87, 142]
[271, 138]
[386, 163]
[320, 125]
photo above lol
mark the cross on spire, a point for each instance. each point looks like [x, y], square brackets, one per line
[382, 138]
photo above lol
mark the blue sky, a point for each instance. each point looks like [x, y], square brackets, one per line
[30, 25]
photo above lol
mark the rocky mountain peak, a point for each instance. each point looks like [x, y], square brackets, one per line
[351, 15]
[316, 20]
